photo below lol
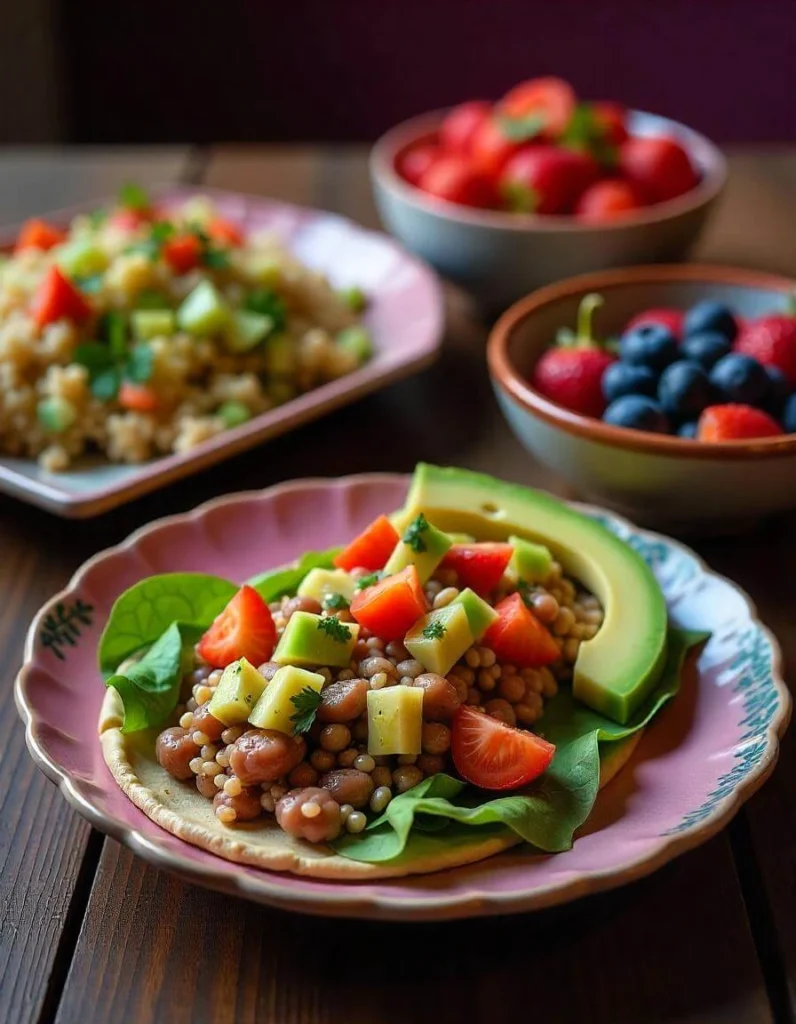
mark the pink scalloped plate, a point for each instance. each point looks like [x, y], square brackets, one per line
[703, 756]
[404, 316]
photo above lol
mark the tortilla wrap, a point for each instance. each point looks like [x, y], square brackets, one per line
[180, 809]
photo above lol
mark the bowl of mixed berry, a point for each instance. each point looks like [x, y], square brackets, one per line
[505, 196]
[668, 392]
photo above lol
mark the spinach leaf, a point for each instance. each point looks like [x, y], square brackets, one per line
[150, 688]
[142, 613]
[275, 584]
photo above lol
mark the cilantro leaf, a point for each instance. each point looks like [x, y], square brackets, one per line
[306, 703]
[368, 581]
[94, 356]
[414, 533]
[334, 628]
[266, 302]
[335, 601]
[133, 197]
[112, 328]
[435, 630]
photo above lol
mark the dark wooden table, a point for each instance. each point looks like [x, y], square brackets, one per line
[88, 932]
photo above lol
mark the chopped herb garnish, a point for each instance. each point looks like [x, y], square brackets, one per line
[216, 259]
[162, 231]
[306, 703]
[266, 302]
[335, 601]
[414, 533]
[107, 368]
[334, 628]
[368, 581]
[435, 630]
[524, 590]
[97, 218]
[133, 197]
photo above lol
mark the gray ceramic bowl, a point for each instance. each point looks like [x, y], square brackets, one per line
[501, 256]
[669, 482]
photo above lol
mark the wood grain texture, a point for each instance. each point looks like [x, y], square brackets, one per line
[42, 842]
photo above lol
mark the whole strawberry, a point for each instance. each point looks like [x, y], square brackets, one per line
[735, 423]
[571, 372]
[771, 340]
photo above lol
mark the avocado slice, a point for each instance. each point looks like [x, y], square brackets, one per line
[618, 669]
[395, 720]
[480, 614]
[421, 545]
[275, 708]
[440, 638]
[530, 562]
[316, 640]
[238, 691]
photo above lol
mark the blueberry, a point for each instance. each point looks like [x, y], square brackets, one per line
[650, 345]
[739, 379]
[789, 416]
[625, 379]
[637, 411]
[777, 393]
[688, 430]
[684, 390]
[705, 348]
[710, 316]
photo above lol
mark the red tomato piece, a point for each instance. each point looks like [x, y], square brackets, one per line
[547, 179]
[460, 125]
[225, 231]
[57, 299]
[391, 607]
[137, 397]
[671, 318]
[551, 98]
[491, 148]
[611, 118]
[493, 755]
[244, 629]
[371, 549]
[518, 637]
[38, 234]
[479, 566]
[455, 180]
[414, 162]
[129, 219]
[606, 200]
[182, 253]
[659, 167]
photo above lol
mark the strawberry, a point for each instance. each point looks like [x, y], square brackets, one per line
[452, 178]
[547, 179]
[606, 200]
[571, 372]
[771, 340]
[735, 423]
[658, 166]
[671, 318]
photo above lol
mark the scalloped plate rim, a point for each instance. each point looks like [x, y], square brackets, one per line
[477, 903]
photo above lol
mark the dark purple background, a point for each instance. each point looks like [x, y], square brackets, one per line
[257, 70]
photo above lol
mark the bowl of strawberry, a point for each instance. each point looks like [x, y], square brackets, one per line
[667, 392]
[504, 197]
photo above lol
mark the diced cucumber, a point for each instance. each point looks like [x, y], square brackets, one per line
[319, 583]
[421, 545]
[56, 414]
[82, 257]
[275, 708]
[440, 638]
[280, 355]
[246, 330]
[316, 640]
[354, 298]
[153, 323]
[237, 692]
[233, 414]
[149, 299]
[357, 341]
[395, 720]
[203, 311]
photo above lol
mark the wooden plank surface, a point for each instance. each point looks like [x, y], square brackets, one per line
[43, 844]
[675, 947]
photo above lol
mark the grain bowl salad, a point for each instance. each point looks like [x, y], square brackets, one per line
[448, 683]
[139, 331]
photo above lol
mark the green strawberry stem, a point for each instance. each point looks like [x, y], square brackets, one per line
[588, 304]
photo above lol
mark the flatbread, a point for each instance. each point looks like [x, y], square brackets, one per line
[182, 810]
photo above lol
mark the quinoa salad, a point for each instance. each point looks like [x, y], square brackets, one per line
[413, 667]
[139, 331]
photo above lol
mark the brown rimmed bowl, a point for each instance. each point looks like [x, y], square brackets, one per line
[655, 479]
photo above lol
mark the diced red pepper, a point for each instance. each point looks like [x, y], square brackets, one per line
[479, 566]
[245, 629]
[183, 253]
[225, 231]
[391, 607]
[57, 299]
[38, 234]
[371, 549]
[137, 397]
[518, 637]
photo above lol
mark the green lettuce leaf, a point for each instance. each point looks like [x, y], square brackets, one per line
[150, 688]
[546, 814]
[280, 582]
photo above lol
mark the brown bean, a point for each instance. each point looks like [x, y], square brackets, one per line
[436, 738]
[301, 604]
[349, 786]
[440, 699]
[318, 826]
[343, 701]
[265, 755]
[206, 786]
[246, 804]
[303, 775]
[370, 667]
[501, 710]
[175, 750]
[204, 722]
[431, 764]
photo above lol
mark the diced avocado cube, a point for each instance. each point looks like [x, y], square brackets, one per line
[422, 545]
[238, 690]
[153, 323]
[82, 257]
[280, 355]
[319, 583]
[357, 341]
[316, 640]
[530, 562]
[354, 298]
[440, 638]
[203, 311]
[233, 414]
[461, 538]
[56, 414]
[395, 720]
[263, 269]
[275, 708]
[480, 614]
[246, 330]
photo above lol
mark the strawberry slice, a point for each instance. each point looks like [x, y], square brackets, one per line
[518, 637]
[735, 423]
[493, 755]
[478, 566]
[244, 629]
